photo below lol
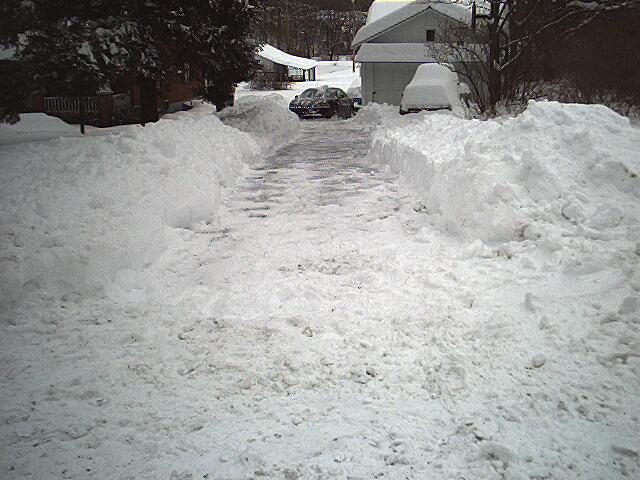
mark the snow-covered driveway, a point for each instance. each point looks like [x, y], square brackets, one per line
[322, 328]
[322, 303]
[342, 337]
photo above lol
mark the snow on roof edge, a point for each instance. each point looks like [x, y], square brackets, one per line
[275, 55]
[387, 22]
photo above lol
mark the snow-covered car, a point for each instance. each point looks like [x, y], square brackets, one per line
[433, 87]
[323, 101]
[355, 92]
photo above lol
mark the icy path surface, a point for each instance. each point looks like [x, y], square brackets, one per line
[320, 330]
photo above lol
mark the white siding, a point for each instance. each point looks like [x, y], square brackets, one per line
[381, 82]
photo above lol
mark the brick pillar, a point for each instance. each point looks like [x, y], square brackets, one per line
[37, 102]
[105, 109]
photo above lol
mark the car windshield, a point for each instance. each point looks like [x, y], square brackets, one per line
[312, 93]
[318, 93]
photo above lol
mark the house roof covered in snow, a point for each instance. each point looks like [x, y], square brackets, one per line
[283, 58]
[380, 8]
[456, 11]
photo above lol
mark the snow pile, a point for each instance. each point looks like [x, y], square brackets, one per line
[556, 169]
[264, 117]
[386, 117]
[381, 114]
[35, 126]
[355, 89]
[77, 212]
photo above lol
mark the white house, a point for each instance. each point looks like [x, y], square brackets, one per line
[399, 36]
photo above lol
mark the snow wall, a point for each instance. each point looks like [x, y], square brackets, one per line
[76, 212]
[555, 172]
[264, 117]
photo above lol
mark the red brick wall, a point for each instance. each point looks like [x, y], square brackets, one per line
[174, 91]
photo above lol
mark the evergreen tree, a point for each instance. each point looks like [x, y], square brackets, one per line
[49, 53]
[224, 54]
[74, 48]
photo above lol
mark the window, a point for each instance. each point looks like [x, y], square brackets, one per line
[431, 35]
[295, 72]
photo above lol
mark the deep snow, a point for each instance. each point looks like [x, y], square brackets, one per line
[339, 311]
[78, 212]
[556, 170]
[34, 127]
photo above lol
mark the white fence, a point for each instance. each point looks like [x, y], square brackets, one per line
[69, 105]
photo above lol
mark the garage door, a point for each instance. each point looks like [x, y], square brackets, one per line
[389, 80]
[381, 82]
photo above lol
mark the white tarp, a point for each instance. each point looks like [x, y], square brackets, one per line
[283, 58]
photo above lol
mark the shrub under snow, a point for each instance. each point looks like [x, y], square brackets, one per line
[556, 169]
[78, 211]
[264, 117]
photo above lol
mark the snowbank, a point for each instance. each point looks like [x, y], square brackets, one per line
[264, 117]
[382, 114]
[76, 212]
[34, 127]
[555, 170]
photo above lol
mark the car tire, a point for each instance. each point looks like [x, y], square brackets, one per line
[348, 113]
[331, 113]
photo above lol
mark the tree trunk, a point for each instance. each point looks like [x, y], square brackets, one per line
[494, 54]
[81, 111]
[224, 95]
[278, 25]
[337, 41]
[148, 100]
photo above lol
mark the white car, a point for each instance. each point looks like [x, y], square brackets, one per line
[433, 87]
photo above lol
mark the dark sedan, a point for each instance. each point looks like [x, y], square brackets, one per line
[323, 101]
